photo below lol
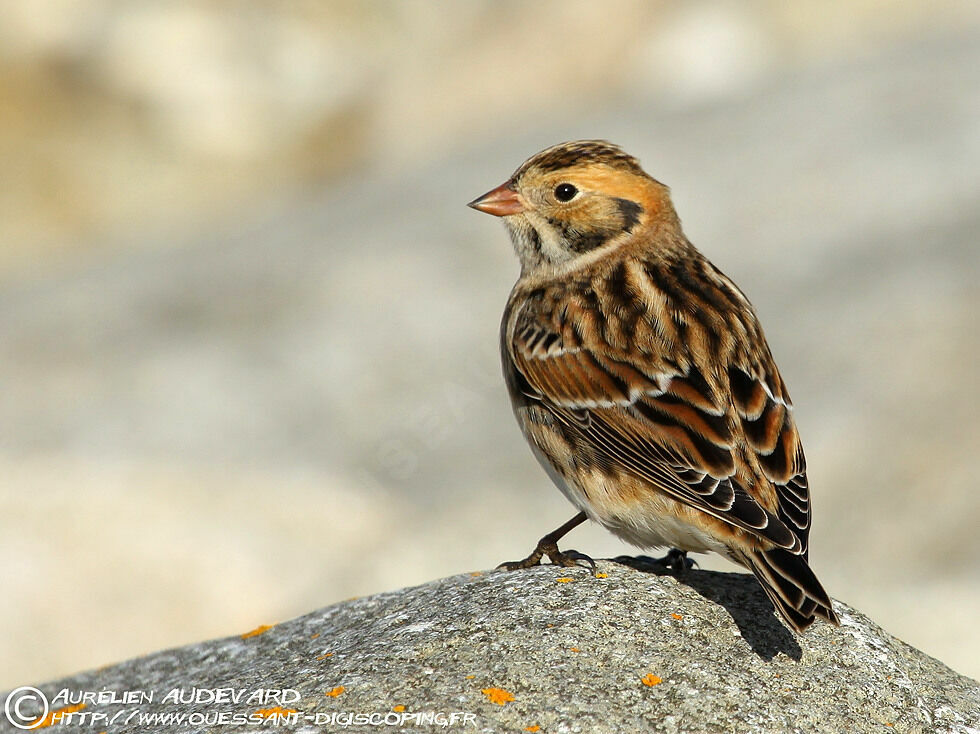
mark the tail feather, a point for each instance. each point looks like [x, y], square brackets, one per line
[791, 586]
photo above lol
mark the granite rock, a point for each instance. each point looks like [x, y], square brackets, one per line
[548, 649]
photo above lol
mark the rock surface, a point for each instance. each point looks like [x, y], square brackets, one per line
[550, 650]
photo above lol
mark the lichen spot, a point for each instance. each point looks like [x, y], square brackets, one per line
[498, 695]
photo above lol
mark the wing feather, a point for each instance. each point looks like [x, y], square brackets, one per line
[720, 440]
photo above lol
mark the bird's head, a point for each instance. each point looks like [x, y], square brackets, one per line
[575, 198]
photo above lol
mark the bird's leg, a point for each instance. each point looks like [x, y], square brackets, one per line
[548, 546]
[677, 561]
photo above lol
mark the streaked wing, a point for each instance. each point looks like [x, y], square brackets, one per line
[671, 421]
[766, 420]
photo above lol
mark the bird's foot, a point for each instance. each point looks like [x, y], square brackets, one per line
[559, 558]
[548, 546]
[677, 561]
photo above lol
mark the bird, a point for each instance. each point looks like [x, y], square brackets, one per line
[640, 376]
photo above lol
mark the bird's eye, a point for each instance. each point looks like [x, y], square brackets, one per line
[565, 192]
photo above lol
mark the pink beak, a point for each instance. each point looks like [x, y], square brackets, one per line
[502, 201]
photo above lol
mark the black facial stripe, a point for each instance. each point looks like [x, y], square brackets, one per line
[534, 239]
[577, 241]
[630, 211]
[589, 241]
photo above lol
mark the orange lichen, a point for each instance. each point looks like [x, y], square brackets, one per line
[675, 615]
[334, 692]
[651, 680]
[563, 580]
[398, 709]
[325, 656]
[50, 719]
[476, 573]
[258, 631]
[498, 695]
[601, 575]
[533, 727]
[574, 649]
[314, 635]
[274, 711]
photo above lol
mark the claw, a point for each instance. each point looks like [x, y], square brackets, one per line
[573, 558]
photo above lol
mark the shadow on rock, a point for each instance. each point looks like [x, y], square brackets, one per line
[741, 595]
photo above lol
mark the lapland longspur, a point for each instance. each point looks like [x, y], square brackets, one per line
[641, 378]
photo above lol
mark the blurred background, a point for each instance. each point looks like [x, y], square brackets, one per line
[248, 328]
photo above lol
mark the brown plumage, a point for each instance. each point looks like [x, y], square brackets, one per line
[642, 379]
